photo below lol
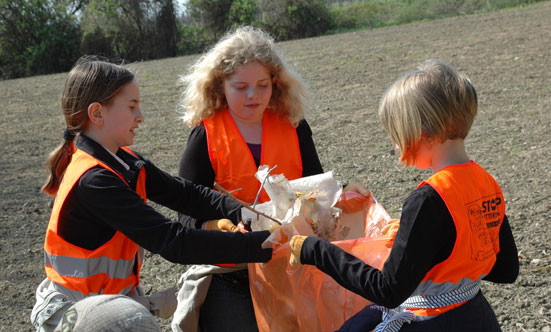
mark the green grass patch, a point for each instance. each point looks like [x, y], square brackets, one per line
[357, 15]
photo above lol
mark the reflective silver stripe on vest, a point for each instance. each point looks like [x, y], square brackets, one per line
[393, 319]
[75, 295]
[461, 294]
[434, 288]
[87, 267]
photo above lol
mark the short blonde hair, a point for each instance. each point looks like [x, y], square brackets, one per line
[203, 94]
[434, 101]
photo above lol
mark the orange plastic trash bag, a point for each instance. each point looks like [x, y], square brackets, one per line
[303, 298]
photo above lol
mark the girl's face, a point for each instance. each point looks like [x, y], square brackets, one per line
[121, 117]
[248, 91]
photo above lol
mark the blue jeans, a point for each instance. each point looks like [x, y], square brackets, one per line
[228, 305]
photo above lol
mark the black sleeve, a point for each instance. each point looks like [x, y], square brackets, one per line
[186, 197]
[195, 166]
[426, 237]
[105, 199]
[506, 267]
[311, 164]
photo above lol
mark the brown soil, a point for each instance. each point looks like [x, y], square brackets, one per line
[506, 54]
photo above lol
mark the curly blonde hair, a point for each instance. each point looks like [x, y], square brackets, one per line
[203, 95]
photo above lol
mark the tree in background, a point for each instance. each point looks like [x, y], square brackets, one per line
[290, 19]
[37, 37]
[244, 12]
[48, 36]
[286, 19]
[212, 15]
[167, 29]
[129, 29]
[205, 21]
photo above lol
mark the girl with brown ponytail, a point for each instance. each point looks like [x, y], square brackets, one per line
[101, 222]
[89, 81]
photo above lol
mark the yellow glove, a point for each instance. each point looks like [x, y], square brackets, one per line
[224, 225]
[274, 227]
[296, 247]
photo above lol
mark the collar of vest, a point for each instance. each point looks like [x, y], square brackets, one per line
[98, 152]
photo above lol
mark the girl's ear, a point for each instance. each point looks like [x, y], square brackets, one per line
[94, 113]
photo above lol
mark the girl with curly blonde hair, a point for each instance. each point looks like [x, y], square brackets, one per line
[246, 109]
[204, 92]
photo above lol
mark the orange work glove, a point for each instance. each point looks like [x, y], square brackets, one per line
[296, 247]
[224, 225]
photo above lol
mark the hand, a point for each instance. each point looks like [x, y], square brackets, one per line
[391, 227]
[163, 303]
[357, 187]
[274, 227]
[224, 225]
[296, 247]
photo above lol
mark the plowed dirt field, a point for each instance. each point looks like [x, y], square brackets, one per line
[506, 54]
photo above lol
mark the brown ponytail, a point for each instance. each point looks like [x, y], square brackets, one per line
[57, 163]
[91, 80]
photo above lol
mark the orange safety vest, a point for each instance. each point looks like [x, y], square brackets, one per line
[477, 206]
[108, 269]
[233, 162]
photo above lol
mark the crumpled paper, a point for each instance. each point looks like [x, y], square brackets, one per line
[305, 206]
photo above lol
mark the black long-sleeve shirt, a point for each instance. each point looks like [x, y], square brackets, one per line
[426, 237]
[100, 204]
[196, 167]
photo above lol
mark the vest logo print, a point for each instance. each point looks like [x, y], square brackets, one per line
[483, 215]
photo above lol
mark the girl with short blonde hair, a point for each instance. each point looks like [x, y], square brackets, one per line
[433, 101]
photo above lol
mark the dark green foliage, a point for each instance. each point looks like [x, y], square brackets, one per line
[289, 19]
[357, 14]
[36, 37]
[210, 19]
[244, 12]
[166, 30]
[213, 15]
[192, 40]
[130, 29]
[47, 36]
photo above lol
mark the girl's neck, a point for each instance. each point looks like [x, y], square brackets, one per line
[250, 130]
[97, 137]
[450, 152]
